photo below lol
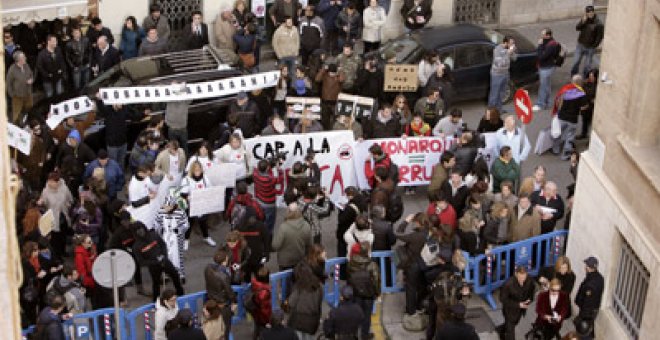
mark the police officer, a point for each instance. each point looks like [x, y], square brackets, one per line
[344, 321]
[590, 292]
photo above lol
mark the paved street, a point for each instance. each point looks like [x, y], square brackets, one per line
[200, 254]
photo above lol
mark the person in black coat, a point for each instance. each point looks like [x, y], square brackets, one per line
[548, 197]
[465, 151]
[186, 329]
[516, 295]
[52, 67]
[382, 124]
[248, 114]
[31, 38]
[49, 322]
[116, 128]
[150, 250]
[97, 30]
[105, 56]
[416, 13]
[370, 80]
[344, 321]
[456, 328]
[197, 34]
[590, 293]
[277, 330]
[258, 240]
[345, 218]
[456, 191]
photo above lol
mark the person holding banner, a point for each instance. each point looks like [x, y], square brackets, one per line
[61, 131]
[401, 109]
[383, 124]
[234, 152]
[417, 127]
[379, 159]
[346, 122]
[196, 180]
[204, 156]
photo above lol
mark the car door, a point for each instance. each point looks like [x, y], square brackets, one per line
[472, 69]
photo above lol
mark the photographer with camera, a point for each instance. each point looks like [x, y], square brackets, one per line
[298, 181]
[314, 206]
[267, 186]
[312, 168]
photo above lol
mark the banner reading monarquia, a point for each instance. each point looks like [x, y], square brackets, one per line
[415, 157]
[334, 155]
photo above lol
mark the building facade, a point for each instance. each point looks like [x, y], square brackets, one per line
[618, 186]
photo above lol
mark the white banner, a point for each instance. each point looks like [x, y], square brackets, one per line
[415, 157]
[223, 174]
[354, 106]
[489, 152]
[303, 107]
[19, 139]
[174, 92]
[334, 155]
[207, 201]
[69, 108]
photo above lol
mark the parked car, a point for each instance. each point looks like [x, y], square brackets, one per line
[190, 66]
[468, 50]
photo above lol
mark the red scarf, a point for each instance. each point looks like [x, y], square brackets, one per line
[560, 94]
[420, 130]
[34, 261]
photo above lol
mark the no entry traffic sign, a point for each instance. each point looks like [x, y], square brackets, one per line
[523, 106]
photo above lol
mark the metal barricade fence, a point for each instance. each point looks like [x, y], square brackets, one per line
[487, 272]
[139, 323]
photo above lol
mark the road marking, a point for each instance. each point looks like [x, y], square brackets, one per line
[377, 322]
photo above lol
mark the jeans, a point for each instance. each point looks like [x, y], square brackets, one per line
[545, 75]
[53, 88]
[270, 215]
[290, 63]
[118, 154]
[567, 138]
[413, 285]
[587, 53]
[367, 306]
[498, 84]
[80, 77]
[180, 135]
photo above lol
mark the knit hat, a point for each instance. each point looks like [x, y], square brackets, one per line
[75, 135]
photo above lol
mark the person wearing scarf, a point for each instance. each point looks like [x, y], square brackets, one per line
[417, 127]
[568, 104]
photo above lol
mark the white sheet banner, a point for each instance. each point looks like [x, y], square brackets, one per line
[223, 174]
[489, 151]
[207, 201]
[415, 157]
[69, 108]
[334, 155]
[19, 139]
[175, 92]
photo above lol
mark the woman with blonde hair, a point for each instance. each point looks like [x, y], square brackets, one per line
[562, 271]
[196, 180]
[533, 183]
[401, 109]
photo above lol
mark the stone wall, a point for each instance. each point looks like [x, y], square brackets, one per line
[516, 12]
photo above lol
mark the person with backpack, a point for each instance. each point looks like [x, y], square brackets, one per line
[549, 55]
[49, 322]
[346, 217]
[257, 239]
[217, 280]
[364, 278]
[304, 304]
[345, 320]
[67, 286]
[258, 302]
[379, 159]
[359, 232]
[315, 206]
[242, 207]
[196, 180]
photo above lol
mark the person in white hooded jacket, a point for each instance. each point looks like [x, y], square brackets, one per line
[373, 19]
[359, 232]
[166, 310]
[196, 180]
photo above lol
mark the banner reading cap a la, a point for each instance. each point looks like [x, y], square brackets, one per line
[414, 156]
[334, 155]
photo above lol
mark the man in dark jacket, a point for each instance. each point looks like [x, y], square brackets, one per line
[150, 250]
[547, 50]
[52, 67]
[344, 321]
[98, 30]
[570, 101]
[456, 328]
[370, 80]
[516, 296]
[116, 128]
[186, 329]
[282, 9]
[466, 151]
[78, 57]
[247, 112]
[49, 323]
[72, 158]
[312, 32]
[329, 10]
[217, 278]
[456, 192]
[277, 330]
[349, 25]
[197, 34]
[548, 198]
[382, 124]
[590, 293]
[591, 35]
[114, 173]
[416, 13]
[105, 56]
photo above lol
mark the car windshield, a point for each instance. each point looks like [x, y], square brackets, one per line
[402, 47]
[494, 36]
[140, 70]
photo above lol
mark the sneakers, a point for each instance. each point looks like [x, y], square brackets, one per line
[186, 243]
[209, 241]
[536, 108]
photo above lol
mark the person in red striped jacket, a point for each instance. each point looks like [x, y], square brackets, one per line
[268, 184]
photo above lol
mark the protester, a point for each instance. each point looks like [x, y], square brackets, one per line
[57, 197]
[456, 192]
[97, 30]
[304, 304]
[364, 278]
[217, 278]
[286, 43]
[262, 292]
[441, 172]
[315, 205]
[292, 238]
[431, 106]
[196, 180]
[414, 242]
[503, 55]
[491, 121]
[533, 183]
[248, 114]
[569, 102]
[166, 310]
[455, 328]
[549, 205]
[504, 168]
[511, 136]
[590, 86]
[451, 125]
[171, 222]
[50, 319]
[525, 220]
[52, 67]
[278, 330]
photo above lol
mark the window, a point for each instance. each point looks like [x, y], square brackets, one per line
[629, 296]
[472, 55]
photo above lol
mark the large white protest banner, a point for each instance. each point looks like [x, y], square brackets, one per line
[69, 108]
[175, 92]
[223, 174]
[334, 155]
[19, 139]
[207, 201]
[415, 157]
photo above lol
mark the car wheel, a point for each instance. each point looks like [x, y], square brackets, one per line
[508, 92]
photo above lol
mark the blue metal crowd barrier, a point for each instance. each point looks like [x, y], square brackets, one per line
[139, 323]
[490, 271]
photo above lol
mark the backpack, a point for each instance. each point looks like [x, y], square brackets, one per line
[561, 55]
[56, 289]
[394, 209]
[362, 283]
[249, 301]
[239, 216]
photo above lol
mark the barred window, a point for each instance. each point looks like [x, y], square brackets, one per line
[629, 295]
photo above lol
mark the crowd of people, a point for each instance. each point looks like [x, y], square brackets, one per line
[473, 207]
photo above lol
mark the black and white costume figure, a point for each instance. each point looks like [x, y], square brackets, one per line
[171, 223]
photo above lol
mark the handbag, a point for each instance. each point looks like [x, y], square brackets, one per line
[248, 59]
[555, 127]
[401, 257]
[30, 293]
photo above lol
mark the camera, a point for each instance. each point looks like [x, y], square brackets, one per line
[277, 158]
